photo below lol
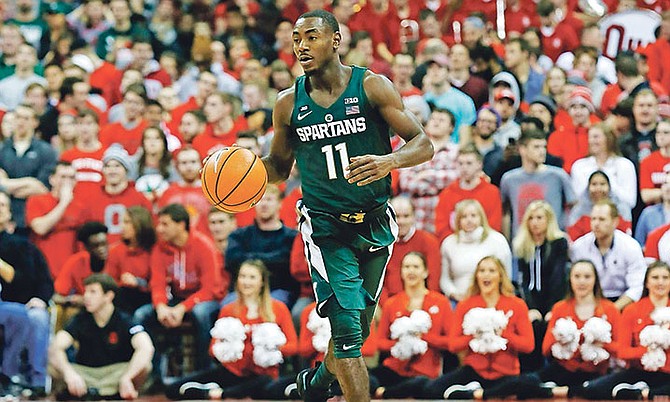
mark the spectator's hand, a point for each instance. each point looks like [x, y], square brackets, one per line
[66, 193]
[177, 314]
[129, 279]
[127, 388]
[77, 300]
[534, 315]
[163, 315]
[76, 385]
[547, 317]
[36, 302]
[366, 169]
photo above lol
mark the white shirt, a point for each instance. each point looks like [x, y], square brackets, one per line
[621, 270]
[621, 172]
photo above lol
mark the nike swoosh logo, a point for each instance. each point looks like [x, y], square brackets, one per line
[347, 347]
[303, 115]
[375, 249]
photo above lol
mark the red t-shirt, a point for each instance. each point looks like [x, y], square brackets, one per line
[110, 208]
[88, 166]
[179, 112]
[130, 139]
[61, 241]
[653, 170]
[107, 78]
[124, 259]
[563, 39]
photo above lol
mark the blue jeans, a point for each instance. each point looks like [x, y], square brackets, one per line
[203, 315]
[17, 327]
[38, 344]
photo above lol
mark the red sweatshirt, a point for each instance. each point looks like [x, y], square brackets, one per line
[246, 366]
[428, 364]
[569, 144]
[635, 317]
[192, 272]
[519, 334]
[306, 348]
[566, 309]
[124, 259]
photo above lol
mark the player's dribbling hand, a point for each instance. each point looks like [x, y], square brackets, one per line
[127, 388]
[76, 385]
[366, 169]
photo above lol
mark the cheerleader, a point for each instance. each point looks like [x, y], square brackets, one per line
[413, 329]
[251, 338]
[580, 338]
[491, 327]
[644, 339]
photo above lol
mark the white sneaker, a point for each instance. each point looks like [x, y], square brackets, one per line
[548, 384]
[624, 386]
[197, 390]
[469, 387]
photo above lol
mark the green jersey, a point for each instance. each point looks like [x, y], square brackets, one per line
[324, 139]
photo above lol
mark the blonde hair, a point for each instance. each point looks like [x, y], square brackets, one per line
[505, 287]
[460, 211]
[523, 244]
[264, 299]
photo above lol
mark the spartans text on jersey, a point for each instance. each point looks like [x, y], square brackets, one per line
[331, 129]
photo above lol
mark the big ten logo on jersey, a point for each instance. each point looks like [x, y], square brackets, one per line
[114, 217]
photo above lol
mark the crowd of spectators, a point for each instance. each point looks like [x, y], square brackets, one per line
[552, 164]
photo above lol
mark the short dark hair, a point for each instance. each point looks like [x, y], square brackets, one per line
[545, 8]
[445, 111]
[89, 229]
[626, 65]
[198, 114]
[67, 86]
[532, 134]
[523, 44]
[328, 18]
[533, 120]
[177, 213]
[107, 283]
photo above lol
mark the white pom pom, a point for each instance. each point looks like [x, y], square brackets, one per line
[315, 322]
[268, 335]
[227, 351]
[655, 336]
[597, 330]
[593, 353]
[229, 329]
[653, 359]
[567, 339]
[661, 316]
[320, 341]
[421, 321]
[400, 326]
[267, 357]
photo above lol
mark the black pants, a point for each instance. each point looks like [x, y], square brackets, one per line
[434, 389]
[397, 386]
[235, 387]
[530, 383]
[601, 388]
[534, 360]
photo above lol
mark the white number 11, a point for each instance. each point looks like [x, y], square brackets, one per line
[341, 149]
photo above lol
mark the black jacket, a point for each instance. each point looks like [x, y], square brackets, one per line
[32, 277]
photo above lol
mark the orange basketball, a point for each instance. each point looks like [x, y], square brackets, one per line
[234, 179]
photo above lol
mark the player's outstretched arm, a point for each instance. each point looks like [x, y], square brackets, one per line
[417, 149]
[280, 160]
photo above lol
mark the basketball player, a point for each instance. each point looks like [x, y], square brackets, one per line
[335, 123]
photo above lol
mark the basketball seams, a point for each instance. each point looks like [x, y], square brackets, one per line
[216, 167]
[260, 191]
[218, 176]
[241, 180]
